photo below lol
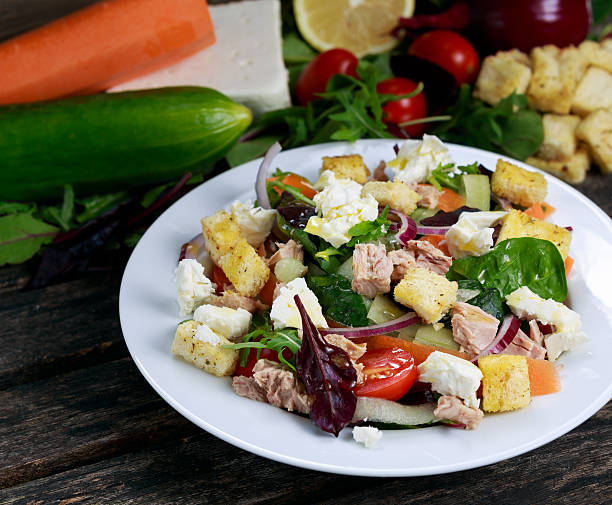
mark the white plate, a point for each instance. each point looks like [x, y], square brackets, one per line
[149, 315]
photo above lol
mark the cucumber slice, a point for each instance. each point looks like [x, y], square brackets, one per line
[409, 332]
[440, 338]
[378, 410]
[288, 269]
[346, 269]
[422, 213]
[383, 310]
[476, 190]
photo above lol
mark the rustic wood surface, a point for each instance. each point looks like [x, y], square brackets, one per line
[79, 424]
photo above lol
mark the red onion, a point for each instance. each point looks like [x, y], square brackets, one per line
[262, 175]
[377, 329]
[432, 230]
[189, 250]
[503, 203]
[505, 335]
[408, 230]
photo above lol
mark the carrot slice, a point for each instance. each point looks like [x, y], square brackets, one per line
[569, 263]
[543, 377]
[438, 241]
[449, 200]
[540, 210]
[100, 46]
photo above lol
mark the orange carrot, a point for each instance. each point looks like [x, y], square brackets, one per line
[438, 241]
[419, 351]
[449, 200]
[569, 263]
[540, 210]
[543, 377]
[100, 46]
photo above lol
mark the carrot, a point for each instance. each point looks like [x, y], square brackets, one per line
[438, 241]
[100, 46]
[449, 200]
[419, 351]
[569, 263]
[543, 377]
[540, 210]
[267, 292]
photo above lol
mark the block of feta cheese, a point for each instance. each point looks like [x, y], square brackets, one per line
[369, 436]
[246, 62]
[231, 323]
[284, 311]
[472, 234]
[193, 287]
[415, 162]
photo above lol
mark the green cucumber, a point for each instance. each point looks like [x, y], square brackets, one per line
[379, 410]
[383, 310]
[439, 338]
[422, 213]
[109, 142]
[476, 191]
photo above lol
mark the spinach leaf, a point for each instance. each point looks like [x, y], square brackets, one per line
[516, 262]
[338, 300]
[488, 299]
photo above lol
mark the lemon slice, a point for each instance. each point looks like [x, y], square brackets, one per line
[360, 26]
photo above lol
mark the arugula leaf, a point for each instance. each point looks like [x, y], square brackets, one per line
[370, 231]
[61, 216]
[22, 236]
[338, 300]
[98, 204]
[295, 50]
[449, 175]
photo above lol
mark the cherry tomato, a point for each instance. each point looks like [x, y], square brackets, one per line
[220, 279]
[247, 370]
[315, 75]
[388, 373]
[406, 109]
[449, 50]
[296, 181]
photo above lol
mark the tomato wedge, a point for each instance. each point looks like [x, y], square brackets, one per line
[388, 373]
[220, 279]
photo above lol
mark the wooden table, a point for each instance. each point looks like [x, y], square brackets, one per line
[79, 424]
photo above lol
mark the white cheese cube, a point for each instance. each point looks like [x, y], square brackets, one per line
[231, 323]
[472, 234]
[284, 311]
[193, 287]
[205, 334]
[451, 375]
[414, 163]
[255, 223]
[245, 63]
[369, 436]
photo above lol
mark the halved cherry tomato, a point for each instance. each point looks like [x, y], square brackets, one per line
[388, 373]
[247, 370]
[267, 292]
[220, 279]
[319, 71]
[406, 109]
[296, 181]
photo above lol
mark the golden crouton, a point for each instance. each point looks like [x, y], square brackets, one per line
[518, 224]
[596, 131]
[518, 185]
[598, 55]
[555, 74]
[559, 137]
[572, 169]
[429, 294]
[221, 233]
[505, 382]
[246, 270]
[593, 92]
[350, 166]
[501, 74]
[211, 358]
[396, 195]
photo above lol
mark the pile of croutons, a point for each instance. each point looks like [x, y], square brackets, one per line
[573, 88]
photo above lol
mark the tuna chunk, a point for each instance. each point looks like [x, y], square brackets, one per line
[453, 409]
[274, 384]
[371, 270]
[354, 351]
[289, 250]
[418, 253]
[429, 196]
[535, 334]
[233, 300]
[473, 328]
[379, 172]
[522, 345]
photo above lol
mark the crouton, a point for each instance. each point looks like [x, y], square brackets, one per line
[396, 195]
[555, 75]
[210, 357]
[559, 137]
[598, 55]
[221, 233]
[505, 382]
[350, 166]
[572, 169]
[518, 224]
[596, 131]
[245, 269]
[501, 74]
[429, 294]
[518, 185]
[593, 92]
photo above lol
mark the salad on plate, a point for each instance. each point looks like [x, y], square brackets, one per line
[420, 293]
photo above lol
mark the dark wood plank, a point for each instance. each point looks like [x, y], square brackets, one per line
[598, 187]
[201, 469]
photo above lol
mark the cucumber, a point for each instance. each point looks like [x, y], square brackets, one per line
[346, 269]
[476, 190]
[378, 410]
[383, 310]
[439, 338]
[288, 269]
[114, 141]
[422, 213]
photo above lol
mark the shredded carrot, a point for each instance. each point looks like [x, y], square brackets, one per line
[438, 241]
[540, 210]
[449, 200]
[569, 263]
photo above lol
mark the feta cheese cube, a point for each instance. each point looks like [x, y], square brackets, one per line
[284, 311]
[472, 234]
[193, 287]
[369, 436]
[414, 163]
[205, 334]
[231, 323]
[451, 375]
[255, 223]
[568, 334]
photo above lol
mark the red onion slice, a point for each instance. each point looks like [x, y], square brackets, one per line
[408, 230]
[503, 203]
[190, 250]
[377, 329]
[505, 335]
[432, 230]
[262, 175]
